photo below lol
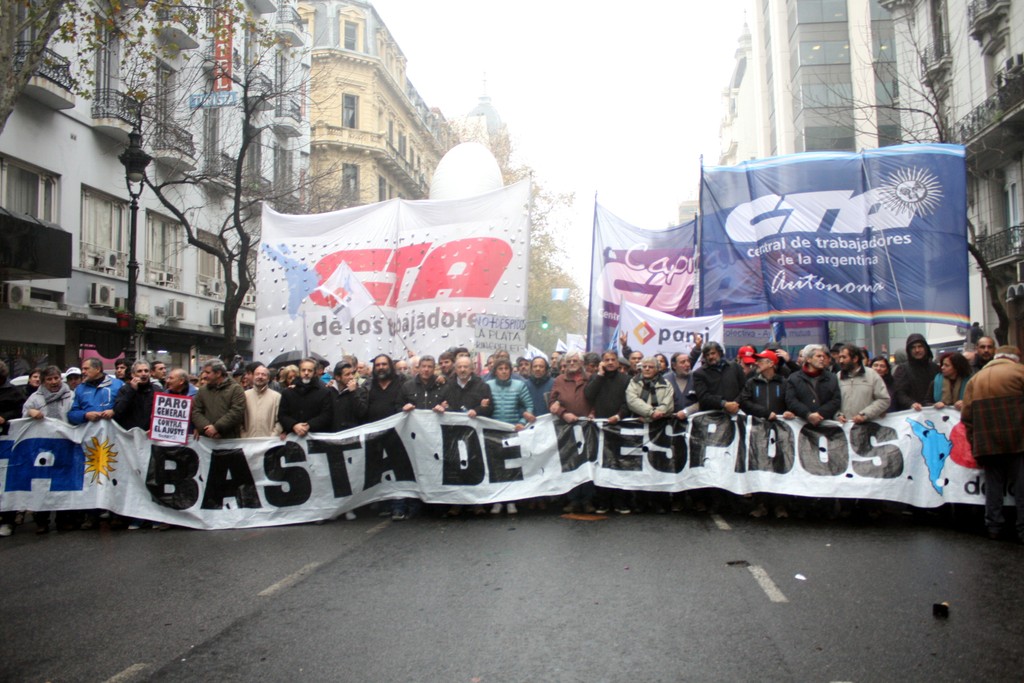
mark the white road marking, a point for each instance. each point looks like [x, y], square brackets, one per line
[127, 674]
[766, 584]
[720, 523]
[380, 527]
[289, 580]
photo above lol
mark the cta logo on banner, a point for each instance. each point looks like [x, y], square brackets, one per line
[429, 267]
[651, 268]
[651, 331]
[879, 236]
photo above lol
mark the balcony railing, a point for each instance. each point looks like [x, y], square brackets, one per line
[1001, 245]
[221, 167]
[934, 56]
[170, 135]
[52, 66]
[289, 106]
[289, 15]
[1009, 94]
[114, 104]
[983, 14]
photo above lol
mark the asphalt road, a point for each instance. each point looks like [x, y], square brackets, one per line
[681, 597]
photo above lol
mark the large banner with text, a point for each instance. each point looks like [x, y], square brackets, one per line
[430, 267]
[650, 268]
[919, 458]
[877, 236]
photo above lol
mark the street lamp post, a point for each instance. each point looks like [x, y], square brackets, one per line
[135, 161]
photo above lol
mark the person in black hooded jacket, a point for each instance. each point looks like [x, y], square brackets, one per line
[912, 378]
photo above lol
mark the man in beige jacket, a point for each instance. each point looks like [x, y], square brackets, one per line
[261, 406]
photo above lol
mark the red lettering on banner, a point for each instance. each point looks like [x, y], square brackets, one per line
[468, 268]
[462, 268]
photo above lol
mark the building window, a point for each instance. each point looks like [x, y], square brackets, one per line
[164, 247]
[283, 170]
[839, 138]
[350, 111]
[819, 52]
[825, 95]
[108, 64]
[350, 182]
[254, 162]
[401, 145]
[351, 36]
[382, 189]
[103, 233]
[208, 267]
[1011, 204]
[820, 11]
[211, 138]
[28, 191]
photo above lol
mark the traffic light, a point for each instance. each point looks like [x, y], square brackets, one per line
[544, 324]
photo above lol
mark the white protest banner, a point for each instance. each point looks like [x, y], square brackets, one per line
[171, 415]
[500, 333]
[430, 266]
[651, 331]
[919, 458]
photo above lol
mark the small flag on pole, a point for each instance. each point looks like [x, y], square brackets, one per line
[345, 294]
[560, 294]
[533, 352]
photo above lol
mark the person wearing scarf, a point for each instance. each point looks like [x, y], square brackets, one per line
[947, 390]
[52, 399]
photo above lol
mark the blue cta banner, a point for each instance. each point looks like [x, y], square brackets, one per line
[877, 236]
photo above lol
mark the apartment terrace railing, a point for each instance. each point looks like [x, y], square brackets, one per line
[1008, 95]
[1005, 244]
[52, 66]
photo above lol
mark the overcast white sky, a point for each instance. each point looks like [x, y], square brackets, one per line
[617, 98]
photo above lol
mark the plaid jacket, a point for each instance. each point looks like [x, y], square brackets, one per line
[993, 410]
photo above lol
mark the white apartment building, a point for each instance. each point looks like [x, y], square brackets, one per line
[65, 218]
[963, 64]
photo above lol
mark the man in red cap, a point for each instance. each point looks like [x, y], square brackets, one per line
[747, 360]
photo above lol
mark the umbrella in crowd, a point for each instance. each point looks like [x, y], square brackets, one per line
[293, 358]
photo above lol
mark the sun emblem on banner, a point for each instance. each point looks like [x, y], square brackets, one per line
[644, 332]
[100, 459]
[912, 190]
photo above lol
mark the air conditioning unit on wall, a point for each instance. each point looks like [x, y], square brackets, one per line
[101, 295]
[176, 309]
[17, 295]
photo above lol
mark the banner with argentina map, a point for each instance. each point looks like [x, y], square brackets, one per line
[876, 236]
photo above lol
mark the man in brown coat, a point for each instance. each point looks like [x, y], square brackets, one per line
[993, 414]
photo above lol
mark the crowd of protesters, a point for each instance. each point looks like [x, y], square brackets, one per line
[841, 384]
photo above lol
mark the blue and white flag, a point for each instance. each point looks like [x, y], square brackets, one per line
[346, 294]
[560, 294]
[879, 236]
